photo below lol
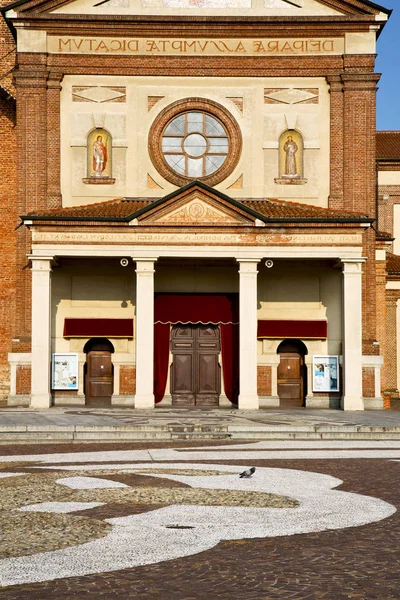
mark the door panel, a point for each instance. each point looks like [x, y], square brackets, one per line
[290, 380]
[195, 371]
[99, 380]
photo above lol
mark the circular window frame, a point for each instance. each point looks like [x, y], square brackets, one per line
[195, 105]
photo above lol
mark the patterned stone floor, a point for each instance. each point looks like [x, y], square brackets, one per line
[355, 562]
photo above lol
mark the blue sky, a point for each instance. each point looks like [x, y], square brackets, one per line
[388, 63]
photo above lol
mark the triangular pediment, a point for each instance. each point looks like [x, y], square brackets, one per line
[196, 206]
[236, 8]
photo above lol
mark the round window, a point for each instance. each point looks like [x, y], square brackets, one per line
[202, 142]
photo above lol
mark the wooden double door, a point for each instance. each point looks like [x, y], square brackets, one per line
[195, 369]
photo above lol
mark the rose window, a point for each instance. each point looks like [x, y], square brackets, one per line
[195, 144]
[195, 139]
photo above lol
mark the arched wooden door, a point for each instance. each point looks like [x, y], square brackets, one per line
[99, 372]
[195, 371]
[292, 380]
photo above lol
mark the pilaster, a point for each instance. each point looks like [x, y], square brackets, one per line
[336, 196]
[53, 140]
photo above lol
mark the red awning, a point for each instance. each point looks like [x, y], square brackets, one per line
[108, 328]
[292, 329]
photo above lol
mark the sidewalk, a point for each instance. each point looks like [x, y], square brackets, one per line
[171, 424]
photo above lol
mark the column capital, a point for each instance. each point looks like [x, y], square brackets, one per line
[40, 263]
[248, 265]
[144, 265]
[352, 265]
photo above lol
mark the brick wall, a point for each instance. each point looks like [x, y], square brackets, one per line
[127, 380]
[264, 381]
[368, 379]
[23, 380]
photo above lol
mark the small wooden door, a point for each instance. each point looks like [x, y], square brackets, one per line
[99, 381]
[195, 371]
[291, 379]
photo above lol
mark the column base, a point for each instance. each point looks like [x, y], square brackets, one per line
[40, 401]
[144, 401]
[351, 403]
[248, 402]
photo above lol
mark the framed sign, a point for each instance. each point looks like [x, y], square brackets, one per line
[65, 371]
[325, 373]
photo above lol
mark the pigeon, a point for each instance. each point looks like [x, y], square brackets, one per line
[248, 473]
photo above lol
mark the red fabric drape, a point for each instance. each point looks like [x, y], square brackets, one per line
[218, 309]
[161, 354]
[230, 360]
[195, 308]
[292, 329]
[98, 328]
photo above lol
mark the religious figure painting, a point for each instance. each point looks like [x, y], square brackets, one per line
[291, 155]
[99, 144]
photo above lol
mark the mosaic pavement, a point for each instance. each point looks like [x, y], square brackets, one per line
[150, 520]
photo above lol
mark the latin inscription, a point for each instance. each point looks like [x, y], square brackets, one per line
[201, 47]
[134, 237]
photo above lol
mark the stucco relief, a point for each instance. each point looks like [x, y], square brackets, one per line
[199, 212]
[291, 95]
[98, 93]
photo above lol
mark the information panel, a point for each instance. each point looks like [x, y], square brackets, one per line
[325, 373]
[65, 371]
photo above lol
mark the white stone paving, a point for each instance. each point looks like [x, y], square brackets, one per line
[275, 449]
[150, 537]
[90, 483]
[59, 507]
[4, 475]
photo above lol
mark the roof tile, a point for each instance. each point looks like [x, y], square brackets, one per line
[388, 145]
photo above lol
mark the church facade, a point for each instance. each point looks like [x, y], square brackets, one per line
[196, 205]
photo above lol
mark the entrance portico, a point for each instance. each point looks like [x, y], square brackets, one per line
[153, 242]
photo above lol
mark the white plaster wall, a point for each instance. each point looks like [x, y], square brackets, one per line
[129, 123]
[208, 7]
[290, 291]
[91, 290]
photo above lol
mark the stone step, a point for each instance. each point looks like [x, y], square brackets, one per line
[191, 432]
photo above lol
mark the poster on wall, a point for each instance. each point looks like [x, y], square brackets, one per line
[325, 373]
[65, 371]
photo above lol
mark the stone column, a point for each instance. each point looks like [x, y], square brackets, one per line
[248, 397]
[144, 332]
[352, 335]
[41, 359]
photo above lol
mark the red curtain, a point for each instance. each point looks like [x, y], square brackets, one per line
[230, 360]
[292, 329]
[218, 309]
[98, 328]
[161, 355]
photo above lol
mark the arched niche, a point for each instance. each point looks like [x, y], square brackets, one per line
[99, 154]
[291, 158]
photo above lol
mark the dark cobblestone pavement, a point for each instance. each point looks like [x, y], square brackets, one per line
[356, 563]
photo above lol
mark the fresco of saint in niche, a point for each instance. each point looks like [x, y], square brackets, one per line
[291, 155]
[99, 146]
